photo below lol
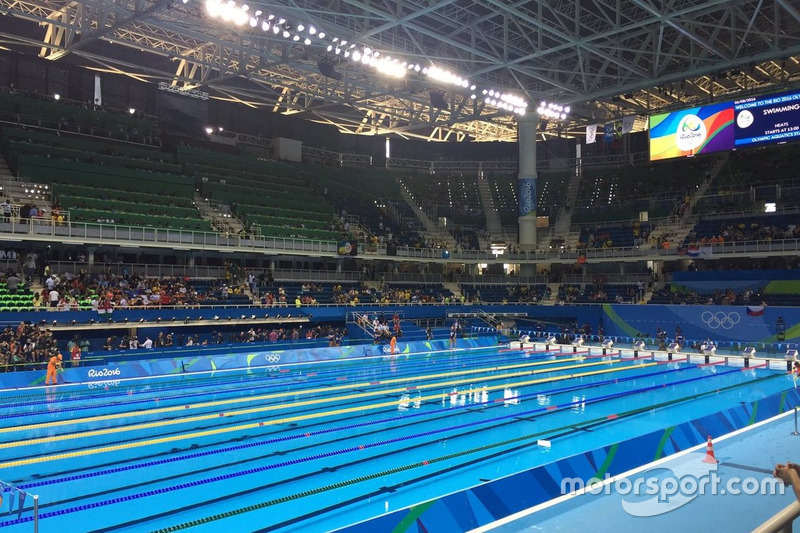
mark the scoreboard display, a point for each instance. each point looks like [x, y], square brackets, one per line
[752, 121]
[768, 119]
[699, 130]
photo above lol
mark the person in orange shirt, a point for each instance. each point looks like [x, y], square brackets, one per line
[52, 368]
[393, 344]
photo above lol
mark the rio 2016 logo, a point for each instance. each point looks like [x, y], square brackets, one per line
[691, 133]
[526, 194]
[104, 373]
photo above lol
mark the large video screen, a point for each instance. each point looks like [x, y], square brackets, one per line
[767, 119]
[698, 130]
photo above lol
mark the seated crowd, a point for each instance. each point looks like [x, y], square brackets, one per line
[676, 296]
[253, 335]
[754, 230]
[26, 343]
[107, 291]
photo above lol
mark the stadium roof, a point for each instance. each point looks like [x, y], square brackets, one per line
[604, 58]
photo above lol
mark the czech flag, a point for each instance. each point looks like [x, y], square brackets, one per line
[755, 310]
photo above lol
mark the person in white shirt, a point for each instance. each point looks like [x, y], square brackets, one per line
[148, 343]
[54, 297]
[134, 343]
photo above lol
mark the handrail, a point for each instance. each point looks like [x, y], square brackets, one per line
[90, 233]
[781, 522]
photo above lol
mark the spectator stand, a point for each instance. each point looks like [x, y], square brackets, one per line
[719, 230]
[505, 292]
[625, 235]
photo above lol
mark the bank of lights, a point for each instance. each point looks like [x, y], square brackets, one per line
[230, 11]
[506, 101]
[241, 14]
[553, 111]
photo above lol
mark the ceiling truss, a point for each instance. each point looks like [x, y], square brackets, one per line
[605, 58]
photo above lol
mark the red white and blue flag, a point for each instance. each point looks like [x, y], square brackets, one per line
[755, 310]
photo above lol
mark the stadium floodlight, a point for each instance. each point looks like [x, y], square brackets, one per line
[553, 111]
[57, 97]
[312, 30]
[390, 67]
[132, 110]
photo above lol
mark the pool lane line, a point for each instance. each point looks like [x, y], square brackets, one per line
[317, 401]
[541, 411]
[418, 464]
[242, 427]
[77, 388]
[294, 393]
[187, 383]
[267, 383]
[306, 434]
[427, 477]
[282, 394]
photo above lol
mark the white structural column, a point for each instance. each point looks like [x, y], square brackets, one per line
[526, 138]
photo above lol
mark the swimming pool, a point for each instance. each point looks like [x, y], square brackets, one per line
[325, 445]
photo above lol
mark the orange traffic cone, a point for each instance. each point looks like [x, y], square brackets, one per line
[709, 458]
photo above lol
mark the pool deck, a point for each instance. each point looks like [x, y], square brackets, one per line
[748, 455]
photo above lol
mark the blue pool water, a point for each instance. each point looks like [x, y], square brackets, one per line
[317, 447]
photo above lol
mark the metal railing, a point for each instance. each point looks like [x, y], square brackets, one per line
[782, 521]
[81, 233]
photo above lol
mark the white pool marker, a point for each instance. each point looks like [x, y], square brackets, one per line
[543, 443]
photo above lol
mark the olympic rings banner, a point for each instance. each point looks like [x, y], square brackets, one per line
[734, 323]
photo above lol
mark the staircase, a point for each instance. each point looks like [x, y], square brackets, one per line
[358, 229]
[432, 229]
[560, 230]
[677, 229]
[553, 294]
[223, 220]
[19, 192]
[703, 187]
[493, 225]
[454, 288]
